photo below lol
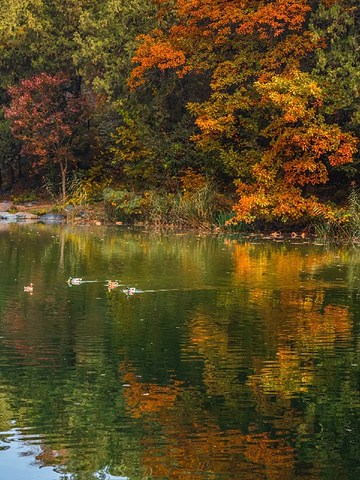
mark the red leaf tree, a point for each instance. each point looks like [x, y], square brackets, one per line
[46, 116]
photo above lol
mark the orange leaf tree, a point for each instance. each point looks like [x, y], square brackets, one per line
[263, 113]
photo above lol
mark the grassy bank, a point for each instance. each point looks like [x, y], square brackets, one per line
[202, 209]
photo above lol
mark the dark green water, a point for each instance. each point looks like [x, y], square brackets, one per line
[233, 359]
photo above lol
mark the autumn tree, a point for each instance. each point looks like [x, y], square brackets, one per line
[35, 37]
[93, 43]
[263, 115]
[150, 128]
[335, 68]
[46, 116]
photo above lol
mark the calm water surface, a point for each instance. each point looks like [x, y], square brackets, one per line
[234, 359]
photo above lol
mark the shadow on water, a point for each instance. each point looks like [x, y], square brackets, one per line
[231, 359]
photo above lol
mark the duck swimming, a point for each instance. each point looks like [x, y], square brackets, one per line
[112, 284]
[74, 281]
[129, 290]
[29, 288]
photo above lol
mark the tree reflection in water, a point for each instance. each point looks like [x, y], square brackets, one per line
[233, 360]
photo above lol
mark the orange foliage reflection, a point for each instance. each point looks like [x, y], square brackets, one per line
[184, 440]
[50, 457]
[297, 326]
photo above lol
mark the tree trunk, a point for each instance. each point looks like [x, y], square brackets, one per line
[63, 181]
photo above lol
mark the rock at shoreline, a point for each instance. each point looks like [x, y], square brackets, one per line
[26, 216]
[51, 218]
[9, 217]
[15, 217]
[5, 206]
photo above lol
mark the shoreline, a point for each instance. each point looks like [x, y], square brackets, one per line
[95, 215]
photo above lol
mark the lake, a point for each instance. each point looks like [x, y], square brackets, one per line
[235, 358]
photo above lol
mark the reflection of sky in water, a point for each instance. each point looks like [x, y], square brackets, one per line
[17, 460]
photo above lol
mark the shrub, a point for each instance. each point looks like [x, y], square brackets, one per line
[25, 197]
[122, 205]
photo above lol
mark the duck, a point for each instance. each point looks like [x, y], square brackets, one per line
[130, 290]
[74, 281]
[29, 288]
[112, 284]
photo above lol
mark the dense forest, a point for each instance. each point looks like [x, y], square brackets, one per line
[186, 112]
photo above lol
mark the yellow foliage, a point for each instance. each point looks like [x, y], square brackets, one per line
[192, 181]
